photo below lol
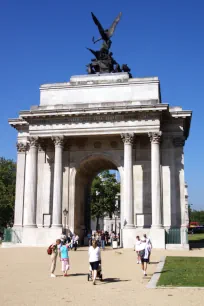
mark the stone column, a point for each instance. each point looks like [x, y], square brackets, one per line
[20, 183]
[179, 179]
[128, 180]
[156, 179]
[31, 184]
[57, 189]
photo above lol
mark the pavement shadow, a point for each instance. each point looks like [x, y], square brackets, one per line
[154, 262]
[164, 271]
[114, 280]
[196, 244]
[78, 274]
[74, 274]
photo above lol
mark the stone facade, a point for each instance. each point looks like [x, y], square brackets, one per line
[90, 124]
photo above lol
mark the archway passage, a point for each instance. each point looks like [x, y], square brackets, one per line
[85, 174]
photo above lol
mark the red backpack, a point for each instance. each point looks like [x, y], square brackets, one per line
[49, 250]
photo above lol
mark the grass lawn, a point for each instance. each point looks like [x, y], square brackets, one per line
[182, 272]
[196, 237]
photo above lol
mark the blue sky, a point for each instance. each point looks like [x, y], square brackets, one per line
[44, 42]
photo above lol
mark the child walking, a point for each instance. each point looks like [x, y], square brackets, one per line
[64, 256]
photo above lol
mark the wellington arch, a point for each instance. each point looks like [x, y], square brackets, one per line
[93, 123]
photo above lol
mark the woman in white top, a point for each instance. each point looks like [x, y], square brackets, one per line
[94, 259]
[148, 241]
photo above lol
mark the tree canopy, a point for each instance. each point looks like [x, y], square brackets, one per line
[7, 191]
[196, 215]
[103, 195]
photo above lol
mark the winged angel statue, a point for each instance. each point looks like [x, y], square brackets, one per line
[105, 34]
[103, 61]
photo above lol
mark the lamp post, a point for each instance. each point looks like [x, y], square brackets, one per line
[65, 212]
[97, 220]
[117, 214]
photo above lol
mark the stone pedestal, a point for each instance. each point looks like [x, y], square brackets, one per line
[157, 236]
[40, 237]
[129, 237]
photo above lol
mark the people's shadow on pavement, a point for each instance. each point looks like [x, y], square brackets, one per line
[113, 280]
[163, 271]
[74, 274]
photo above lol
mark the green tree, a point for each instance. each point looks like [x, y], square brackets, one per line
[7, 191]
[103, 196]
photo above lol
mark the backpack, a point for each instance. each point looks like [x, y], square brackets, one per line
[49, 250]
[142, 253]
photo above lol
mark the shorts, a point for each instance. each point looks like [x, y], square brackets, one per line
[144, 259]
[94, 265]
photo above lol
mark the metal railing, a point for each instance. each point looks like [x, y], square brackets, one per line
[173, 236]
[10, 235]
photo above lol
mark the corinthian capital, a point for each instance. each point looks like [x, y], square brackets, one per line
[155, 137]
[58, 141]
[21, 147]
[127, 138]
[33, 141]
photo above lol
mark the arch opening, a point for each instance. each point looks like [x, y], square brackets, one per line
[85, 174]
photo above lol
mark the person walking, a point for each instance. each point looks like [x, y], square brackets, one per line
[144, 255]
[137, 249]
[94, 259]
[54, 252]
[89, 236]
[148, 241]
[103, 241]
[64, 257]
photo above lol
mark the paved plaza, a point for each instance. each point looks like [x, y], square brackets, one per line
[25, 281]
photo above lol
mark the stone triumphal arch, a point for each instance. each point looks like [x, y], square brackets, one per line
[90, 124]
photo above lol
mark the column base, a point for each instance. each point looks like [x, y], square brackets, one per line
[56, 225]
[157, 226]
[129, 226]
[17, 226]
[30, 226]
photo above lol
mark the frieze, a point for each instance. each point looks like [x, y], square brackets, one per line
[96, 118]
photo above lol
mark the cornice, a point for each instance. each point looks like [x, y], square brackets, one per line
[18, 123]
[181, 113]
[93, 111]
[88, 82]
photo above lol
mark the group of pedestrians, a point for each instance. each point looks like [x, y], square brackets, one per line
[143, 247]
[61, 248]
[99, 237]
